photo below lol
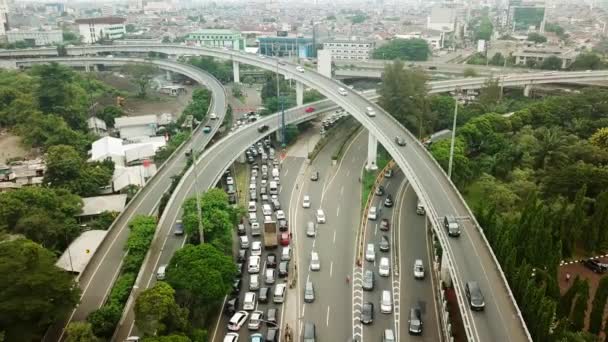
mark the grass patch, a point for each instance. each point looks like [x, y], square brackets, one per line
[241, 177]
[369, 177]
[352, 125]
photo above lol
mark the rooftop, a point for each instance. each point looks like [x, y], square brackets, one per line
[78, 254]
[101, 20]
[215, 31]
[98, 204]
[126, 121]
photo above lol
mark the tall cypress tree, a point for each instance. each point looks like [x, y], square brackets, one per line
[599, 219]
[565, 302]
[580, 306]
[598, 305]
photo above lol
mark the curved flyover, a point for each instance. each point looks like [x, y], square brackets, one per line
[468, 258]
[96, 280]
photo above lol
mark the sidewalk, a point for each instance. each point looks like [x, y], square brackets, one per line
[306, 142]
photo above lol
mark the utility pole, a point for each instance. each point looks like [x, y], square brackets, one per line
[453, 136]
[199, 211]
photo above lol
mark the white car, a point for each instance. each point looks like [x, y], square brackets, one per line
[254, 282]
[320, 216]
[342, 91]
[418, 269]
[230, 181]
[370, 252]
[370, 111]
[306, 202]
[231, 337]
[237, 320]
[280, 215]
[315, 262]
[256, 248]
[213, 116]
[300, 68]
[372, 214]
[255, 320]
[384, 269]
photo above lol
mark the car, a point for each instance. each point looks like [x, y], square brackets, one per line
[249, 301]
[388, 202]
[309, 109]
[253, 195]
[231, 306]
[309, 292]
[231, 337]
[283, 227]
[314, 176]
[236, 286]
[306, 201]
[280, 215]
[309, 333]
[239, 268]
[370, 252]
[271, 316]
[284, 239]
[388, 336]
[379, 191]
[244, 241]
[370, 111]
[255, 320]
[384, 269]
[320, 216]
[474, 295]
[368, 280]
[432, 68]
[257, 337]
[451, 225]
[420, 208]
[311, 230]
[254, 282]
[242, 255]
[263, 128]
[283, 269]
[372, 213]
[415, 321]
[400, 141]
[342, 91]
[595, 265]
[264, 293]
[240, 229]
[254, 264]
[179, 228]
[281, 63]
[256, 248]
[272, 334]
[315, 262]
[418, 269]
[388, 173]
[384, 244]
[270, 276]
[367, 313]
[386, 302]
[212, 116]
[276, 204]
[237, 320]
[255, 229]
[385, 225]
[271, 260]
[207, 129]
[300, 68]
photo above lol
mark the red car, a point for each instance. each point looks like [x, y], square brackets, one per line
[285, 239]
[310, 109]
[384, 224]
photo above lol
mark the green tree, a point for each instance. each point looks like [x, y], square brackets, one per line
[199, 106]
[462, 172]
[587, 61]
[104, 320]
[130, 28]
[142, 76]
[237, 91]
[597, 307]
[555, 28]
[34, 291]
[598, 221]
[80, 332]
[497, 59]
[490, 93]
[109, 113]
[70, 36]
[567, 299]
[469, 72]
[580, 306]
[600, 138]
[405, 49]
[484, 29]
[201, 275]
[156, 311]
[551, 147]
[170, 338]
[358, 18]
[551, 63]
[536, 38]
[220, 70]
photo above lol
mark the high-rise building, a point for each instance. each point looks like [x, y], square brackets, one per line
[526, 14]
[94, 29]
[3, 18]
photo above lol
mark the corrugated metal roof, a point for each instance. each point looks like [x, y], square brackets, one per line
[135, 121]
[98, 204]
[76, 257]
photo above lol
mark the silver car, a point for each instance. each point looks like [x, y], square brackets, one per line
[311, 230]
[309, 292]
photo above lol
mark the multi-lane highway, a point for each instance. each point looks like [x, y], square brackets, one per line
[97, 279]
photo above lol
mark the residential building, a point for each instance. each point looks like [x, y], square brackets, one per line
[97, 126]
[434, 38]
[3, 17]
[136, 126]
[349, 49]
[217, 38]
[93, 30]
[122, 153]
[538, 54]
[442, 19]
[21, 173]
[302, 47]
[35, 37]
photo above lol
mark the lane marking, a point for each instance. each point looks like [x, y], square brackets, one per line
[338, 212]
[342, 189]
[334, 237]
[327, 317]
[331, 269]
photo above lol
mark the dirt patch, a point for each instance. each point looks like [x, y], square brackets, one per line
[11, 147]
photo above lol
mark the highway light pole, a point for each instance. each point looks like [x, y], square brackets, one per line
[199, 212]
[453, 136]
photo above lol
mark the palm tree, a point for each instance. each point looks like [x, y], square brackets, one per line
[551, 147]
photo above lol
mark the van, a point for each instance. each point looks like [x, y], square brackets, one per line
[279, 293]
[315, 262]
[286, 253]
[386, 302]
[252, 207]
[309, 334]
[255, 229]
[267, 209]
[160, 274]
[451, 225]
[249, 302]
[372, 214]
[420, 208]
[275, 172]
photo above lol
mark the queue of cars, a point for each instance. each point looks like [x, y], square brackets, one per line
[262, 273]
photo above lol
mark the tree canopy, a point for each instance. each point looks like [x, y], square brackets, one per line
[405, 49]
[157, 313]
[536, 37]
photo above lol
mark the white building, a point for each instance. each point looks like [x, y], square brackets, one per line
[94, 29]
[538, 55]
[136, 126]
[107, 10]
[442, 19]
[35, 37]
[122, 153]
[434, 38]
[349, 49]
[3, 17]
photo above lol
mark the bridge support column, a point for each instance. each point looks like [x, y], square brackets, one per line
[299, 93]
[527, 90]
[372, 152]
[445, 272]
[168, 75]
[87, 67]
[235, 70]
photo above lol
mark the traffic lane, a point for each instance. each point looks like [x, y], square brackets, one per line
[411, 228]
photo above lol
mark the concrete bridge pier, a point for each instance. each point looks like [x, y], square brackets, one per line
[527, 89]
[299, 93]
[372, 152]
[168, 75]
[445, 272]
[88, 67]
[235, 70]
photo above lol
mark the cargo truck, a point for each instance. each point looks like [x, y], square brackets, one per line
[270, 232]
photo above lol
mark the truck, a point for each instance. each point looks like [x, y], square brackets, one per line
[270, 232]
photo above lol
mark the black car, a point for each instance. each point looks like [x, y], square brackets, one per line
[271, 260]
[314, 176]
[385, 244]
[379, 190]
[262, 128]
[388, 202]
[232, 306]
[236, 286]
[239, 269]
[367, 313]
[240, 229]
[242, 256]
[400, 141]
[415, 321]
[271, 316]
[263, 296]
[595, 266]
[368, 280]
[474, 295]
[283, 269]
[271, 334]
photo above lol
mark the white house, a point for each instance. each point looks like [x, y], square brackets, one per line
[136, 126]
[126, 154]
[95, 29]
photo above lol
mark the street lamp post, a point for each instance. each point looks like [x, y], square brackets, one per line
[199, 211]
[453, 137]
